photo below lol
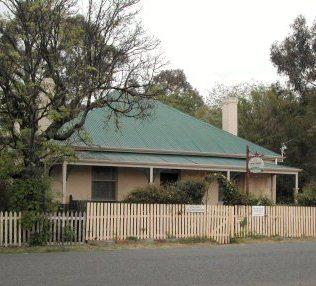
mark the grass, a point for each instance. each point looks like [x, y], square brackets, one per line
[129, 243]
[250, 236]
[134, 243]
[265, 239]
[198, 239]
[40, 249]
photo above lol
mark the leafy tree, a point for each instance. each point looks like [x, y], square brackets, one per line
[308, 196]
[57, 65]
[210, 114]
[176, 91]
[216, 96]
[269, 116]
[7, 168]
[295, 57]
[273, 115]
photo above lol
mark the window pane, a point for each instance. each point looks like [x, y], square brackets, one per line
[103, 191]
[103, 173]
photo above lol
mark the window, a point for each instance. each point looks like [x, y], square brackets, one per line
[168, 177]
[104, 183]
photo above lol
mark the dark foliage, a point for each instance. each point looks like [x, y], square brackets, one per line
[308, 196]
[183, 192]
[234, 196]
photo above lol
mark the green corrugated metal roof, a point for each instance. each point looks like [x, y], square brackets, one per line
[173, 160]
[166, 129]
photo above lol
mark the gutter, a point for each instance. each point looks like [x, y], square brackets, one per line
[169, 152]
[89, 162]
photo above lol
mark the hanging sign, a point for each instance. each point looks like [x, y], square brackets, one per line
[195, 208]
[258, 210]
[255, 165]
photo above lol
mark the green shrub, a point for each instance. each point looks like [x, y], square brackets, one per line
[43, 233]
[69, 233]
[234, 196]
[261, 201]
[34, 198]
[4, 201]
[196, 239]
[183, 192]
[238, 197]
[308, 196]
[132, 238]
[192, 192]
[31, 195]
[38, 239]
[188, 192]
[148, 194]
[8, 168]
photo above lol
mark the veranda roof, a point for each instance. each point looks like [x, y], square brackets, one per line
[174, 162]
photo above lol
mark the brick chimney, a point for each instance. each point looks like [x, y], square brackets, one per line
[230, 115]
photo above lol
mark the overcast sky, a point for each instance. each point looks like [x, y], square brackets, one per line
[223, 41]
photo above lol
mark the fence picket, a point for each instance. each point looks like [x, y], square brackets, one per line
[218, 222]
[111, 221]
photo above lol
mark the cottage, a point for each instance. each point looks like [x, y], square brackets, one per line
[165, 147]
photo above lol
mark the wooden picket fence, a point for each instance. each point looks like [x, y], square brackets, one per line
[113, 221]
[10, 229]
[119, 221]
[283, 221]
[73, 221]
[12, 233]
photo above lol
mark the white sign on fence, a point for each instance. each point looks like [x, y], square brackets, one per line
[195, 208]
[258, 210]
